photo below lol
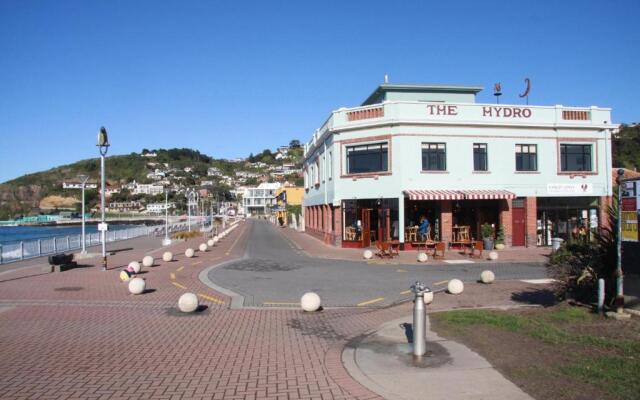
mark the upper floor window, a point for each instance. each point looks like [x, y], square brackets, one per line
[316, 175]
[367, 158]
[330, 166]
[480, 157]
[575, 157]
[434, 157]
[526, 157]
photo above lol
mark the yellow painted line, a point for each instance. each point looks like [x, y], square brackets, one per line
[215, 300]
[401, 270]
[280, 303]
[172, 275]
[441, 283]
[233, 245]
[406, 292]
[180, 269]
[179, 285]
[366, 303]
[197, 262]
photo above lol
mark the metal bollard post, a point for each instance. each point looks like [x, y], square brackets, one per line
[22, 250]
[600, 295]
[0, 254]
[39, 247]
[419, 319]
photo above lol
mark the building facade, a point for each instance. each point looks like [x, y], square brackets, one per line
[260, 200]
[414, 152]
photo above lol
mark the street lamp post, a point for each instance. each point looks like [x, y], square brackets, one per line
[619, 300]
[83, 182]
[103, 146]
[166, 240]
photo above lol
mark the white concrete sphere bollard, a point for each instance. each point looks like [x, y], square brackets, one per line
[137, 285]
[428, 298]
[210, 242]
[493, 255]
[203, 247]
[367, 254]
[189, 252]
[147, 261]
[215, 239]
[167, 256]
[135, 267]
[422, 257]
[188, 302]
[487, 276]
[310, 302]
[124, 276]
[455, 286]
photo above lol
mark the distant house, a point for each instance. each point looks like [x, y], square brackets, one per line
[207, 183]
[187, 169]
[124, 206]
[213, 171]
[78, 185]
[151, 154]
[258, 200]
[157, 208]
[148, 189]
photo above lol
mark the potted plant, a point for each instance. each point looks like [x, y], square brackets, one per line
[500, 239]
[487, 236]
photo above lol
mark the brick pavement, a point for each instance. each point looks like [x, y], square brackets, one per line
[102, 343]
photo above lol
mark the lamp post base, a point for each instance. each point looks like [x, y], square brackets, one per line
[166, 242]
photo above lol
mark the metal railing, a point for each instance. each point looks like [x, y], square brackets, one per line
[18, 251]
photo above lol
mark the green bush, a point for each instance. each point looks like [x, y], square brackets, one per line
[486, 231]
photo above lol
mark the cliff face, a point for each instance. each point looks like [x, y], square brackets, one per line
[18, 199]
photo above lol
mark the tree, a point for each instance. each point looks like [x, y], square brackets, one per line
[626, 147]
[294, 144]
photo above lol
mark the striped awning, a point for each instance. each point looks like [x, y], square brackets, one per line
[433, 195]
[458, 194]
[487, 194]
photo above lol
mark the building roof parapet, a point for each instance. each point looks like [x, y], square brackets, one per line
[476, 114]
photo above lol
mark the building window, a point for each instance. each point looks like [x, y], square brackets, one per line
[434, 157]
[367, 158]
[575, 157]
[480, 157]
[330, 166]
[526, 157]
[316, 175]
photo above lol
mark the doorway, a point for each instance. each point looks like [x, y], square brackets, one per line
[518, 223]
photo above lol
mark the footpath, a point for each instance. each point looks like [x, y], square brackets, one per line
[79, 334]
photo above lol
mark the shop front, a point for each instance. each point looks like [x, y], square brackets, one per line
[368, 220]
[569, 218]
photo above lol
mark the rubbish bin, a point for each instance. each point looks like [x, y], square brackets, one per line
[556, 243]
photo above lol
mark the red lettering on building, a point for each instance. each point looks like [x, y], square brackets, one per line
[506, 112]
[442, 109]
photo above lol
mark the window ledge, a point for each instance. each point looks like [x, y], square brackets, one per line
[434, 172]
[526, 172]
[577, 173]
[374, 175]
[481, 172]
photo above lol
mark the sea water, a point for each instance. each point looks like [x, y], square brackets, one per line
[10, 234]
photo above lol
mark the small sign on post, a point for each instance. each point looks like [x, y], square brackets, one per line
[103, 226]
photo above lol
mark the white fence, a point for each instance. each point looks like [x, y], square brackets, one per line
[17, 251]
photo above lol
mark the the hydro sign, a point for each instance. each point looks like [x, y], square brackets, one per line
[630, 210]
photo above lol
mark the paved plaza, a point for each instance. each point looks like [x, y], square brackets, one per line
[80, 334]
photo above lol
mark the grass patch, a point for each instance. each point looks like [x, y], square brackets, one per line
[580, 351]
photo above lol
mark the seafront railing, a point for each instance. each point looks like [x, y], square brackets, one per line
[23, 250]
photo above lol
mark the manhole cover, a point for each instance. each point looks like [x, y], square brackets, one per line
[68, 289]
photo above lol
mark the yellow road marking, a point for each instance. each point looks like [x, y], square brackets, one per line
[279, 303]
[215, 300]
[441, 283]
[197, 262]
[179, 285]
[366, 303]
[180, 269]
[233, 245]
[401, 270]
[406, 292]
[172, 275]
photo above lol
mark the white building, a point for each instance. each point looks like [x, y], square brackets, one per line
[259, 200]
[78, 185]
[411, 152]
[157, 208]
[148, 189]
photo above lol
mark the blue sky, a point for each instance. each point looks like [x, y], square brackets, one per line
[230, 78]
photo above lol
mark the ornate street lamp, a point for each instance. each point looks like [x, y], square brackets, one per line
[166, 240]
[83, 182]
[103, 146]
[619, 300]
